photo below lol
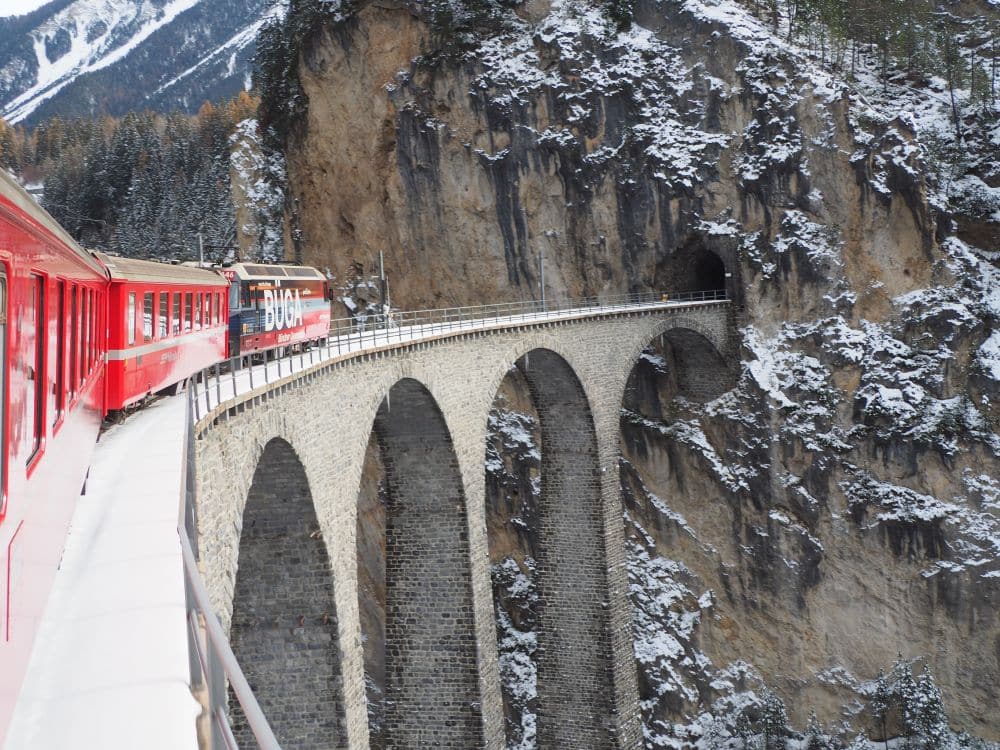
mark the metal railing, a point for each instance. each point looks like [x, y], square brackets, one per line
[212, 662]
[449, 318]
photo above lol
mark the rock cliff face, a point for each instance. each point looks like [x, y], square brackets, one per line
[839, 503]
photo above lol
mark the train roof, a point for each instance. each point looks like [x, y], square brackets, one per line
[133, 269]
[30, 207]
[274, 270]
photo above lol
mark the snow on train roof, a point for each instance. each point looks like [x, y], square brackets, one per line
[133, 269]
[270, 271]
[24, 202]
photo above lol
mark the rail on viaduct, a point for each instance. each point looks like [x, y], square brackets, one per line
[278, 473]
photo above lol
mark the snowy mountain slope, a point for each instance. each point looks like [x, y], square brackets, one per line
[94, 57]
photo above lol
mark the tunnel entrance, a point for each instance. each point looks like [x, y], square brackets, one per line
[284, 626]
[691, 268]
[709, 273]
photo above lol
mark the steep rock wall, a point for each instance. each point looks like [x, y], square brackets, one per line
[840, 503]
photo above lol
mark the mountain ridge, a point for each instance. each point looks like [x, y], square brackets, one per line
[92, 58]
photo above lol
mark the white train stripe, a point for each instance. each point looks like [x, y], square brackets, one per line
[116, 355]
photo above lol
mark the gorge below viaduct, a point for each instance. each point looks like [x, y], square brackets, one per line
[278, 472]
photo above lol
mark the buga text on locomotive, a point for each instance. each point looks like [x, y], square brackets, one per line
[282, 309]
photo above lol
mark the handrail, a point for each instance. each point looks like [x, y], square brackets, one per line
[213, 663]
[546, 308]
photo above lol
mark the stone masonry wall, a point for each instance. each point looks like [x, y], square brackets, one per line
[573, 644]
[326, 415]
[284, 627]
[430, 653]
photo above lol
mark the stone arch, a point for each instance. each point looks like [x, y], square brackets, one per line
[695, 368]
[431, 668]
[573, 657]
[284, 621]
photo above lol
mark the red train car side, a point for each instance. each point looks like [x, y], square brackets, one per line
[165, 324]
[52, 345]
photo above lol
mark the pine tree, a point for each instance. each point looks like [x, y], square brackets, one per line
[816, 739]
[9, 157]
[774, 721]
[927, 714]
[621, 12]
[880, 703]
[952, 64]
[904, 688]
[744, 729]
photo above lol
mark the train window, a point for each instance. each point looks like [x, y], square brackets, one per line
[97, 329]
[59, 381]
[197, 310]
[187, 311]
[246, 301]
[162, 314]
[33, 332]
[101, 326]
[81, 360]
[93, 330]
[218, 307]
[130, 319]
[92, 327]
[176, 321]
[147, 316]
[207, 314]
[74, 336]
[84, 333]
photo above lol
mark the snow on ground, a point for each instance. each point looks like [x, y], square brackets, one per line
[110, 664]
[259, 174]
[989, 356]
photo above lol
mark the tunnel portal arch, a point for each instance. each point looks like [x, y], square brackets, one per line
[692, 267]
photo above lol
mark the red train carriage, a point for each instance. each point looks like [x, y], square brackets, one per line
[165, 323]
[274, 306]
[52, 322]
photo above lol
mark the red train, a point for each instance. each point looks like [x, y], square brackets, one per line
[84, 335]
[168, 323]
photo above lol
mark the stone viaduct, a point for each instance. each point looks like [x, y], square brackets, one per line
[278, 473]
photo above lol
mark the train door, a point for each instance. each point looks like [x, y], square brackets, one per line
[33, 351]
[59, 372]
[234, 323]
[3, 390]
